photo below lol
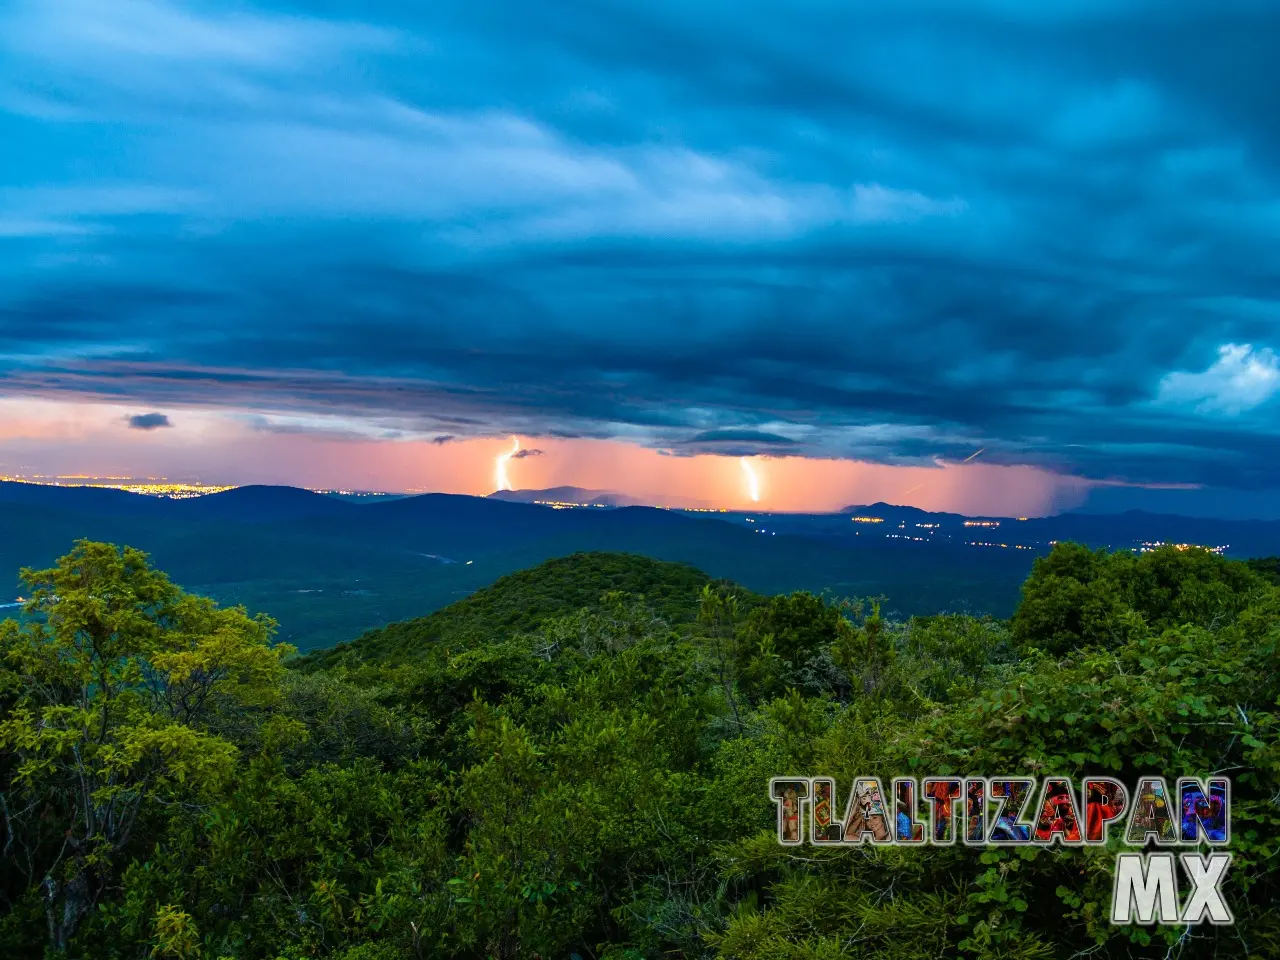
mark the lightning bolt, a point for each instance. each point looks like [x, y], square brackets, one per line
[971, 456]
[753, 482]
[500, 466]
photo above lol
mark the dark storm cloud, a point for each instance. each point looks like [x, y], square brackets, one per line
[149, 421]
[522, 453]
[758, 437]
[733, 443]
[895, 231]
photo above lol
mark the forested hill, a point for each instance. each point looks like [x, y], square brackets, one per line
[523, 601]
[575, 761]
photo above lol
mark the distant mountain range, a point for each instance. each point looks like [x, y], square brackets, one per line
[1130, 529]
[579, 496]
[568, 495]
[329, 568]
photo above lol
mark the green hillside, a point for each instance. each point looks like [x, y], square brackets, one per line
[574, 762]
[522, 601]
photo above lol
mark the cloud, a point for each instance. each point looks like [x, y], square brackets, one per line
[741, 436]
[149, 421]
[816, 230]
[1241, 379]
[330, 427]
[522, 453]
[443, 439]
[92, 40]
[734, 442]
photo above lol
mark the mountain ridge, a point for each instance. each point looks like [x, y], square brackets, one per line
[327, 569]
[569, 494]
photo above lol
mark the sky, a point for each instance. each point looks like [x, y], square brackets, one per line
[366, 244]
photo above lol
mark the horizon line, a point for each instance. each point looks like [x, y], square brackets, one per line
[199, 489]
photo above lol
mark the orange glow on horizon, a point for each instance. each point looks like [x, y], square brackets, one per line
[55, 438]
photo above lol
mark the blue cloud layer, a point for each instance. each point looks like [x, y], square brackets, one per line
[889, 230]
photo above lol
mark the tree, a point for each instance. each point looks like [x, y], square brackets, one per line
[122, 680]
[1079, 597]
[785, 643]
[718, 616]
[1266, 567]
[863, 652]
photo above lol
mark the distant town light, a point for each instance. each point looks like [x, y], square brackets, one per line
[1148, 545]
[150, 487]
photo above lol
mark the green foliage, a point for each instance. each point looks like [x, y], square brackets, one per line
[573, 762]
[1077, 597]
[118, 681]
[1143, 693]
[521, 601]
[1266, 567]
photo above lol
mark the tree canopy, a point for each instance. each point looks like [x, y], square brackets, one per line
[574, 763]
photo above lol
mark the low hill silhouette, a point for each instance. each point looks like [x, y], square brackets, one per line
[328, 569]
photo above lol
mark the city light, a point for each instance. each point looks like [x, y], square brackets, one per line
[150, 486]
[1149, 545]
